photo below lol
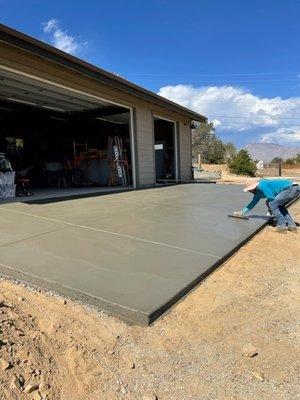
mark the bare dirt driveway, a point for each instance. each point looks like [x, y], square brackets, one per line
[59, 350]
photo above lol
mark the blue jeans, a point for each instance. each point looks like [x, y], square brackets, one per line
[278, 209]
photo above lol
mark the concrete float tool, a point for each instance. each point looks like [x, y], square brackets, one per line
[238, 216]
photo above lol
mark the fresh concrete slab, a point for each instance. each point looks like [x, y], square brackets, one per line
[133, 254]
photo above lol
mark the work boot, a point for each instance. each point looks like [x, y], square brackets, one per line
[279, 229]
[292, 228]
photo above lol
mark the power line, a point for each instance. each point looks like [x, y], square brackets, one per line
[211, 82]
[254, 123]
[252, 117]
[226, 74]
[233, 101]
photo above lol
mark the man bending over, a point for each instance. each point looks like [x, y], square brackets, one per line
[278, 192]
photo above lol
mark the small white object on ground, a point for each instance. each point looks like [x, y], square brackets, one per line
[258, 375]
[150, 396]
[124, 390]
[31, 387]
[44, 387]
[4, 364]
[249, 350]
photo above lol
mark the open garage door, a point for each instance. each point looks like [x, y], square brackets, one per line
[57, 137]
[165, 139]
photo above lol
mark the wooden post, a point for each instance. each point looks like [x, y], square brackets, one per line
[199, 161]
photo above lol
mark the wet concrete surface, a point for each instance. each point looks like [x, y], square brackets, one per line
[133, 254]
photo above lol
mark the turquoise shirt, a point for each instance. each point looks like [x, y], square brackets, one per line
[268, 189]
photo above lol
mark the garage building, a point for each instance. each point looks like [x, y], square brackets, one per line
[68, 123]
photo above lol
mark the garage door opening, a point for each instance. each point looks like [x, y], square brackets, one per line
[58, 139]
[165, 150]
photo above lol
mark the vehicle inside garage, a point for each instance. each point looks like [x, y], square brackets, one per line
[55, 138]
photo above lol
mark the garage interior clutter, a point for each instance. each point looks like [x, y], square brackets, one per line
[54, 138]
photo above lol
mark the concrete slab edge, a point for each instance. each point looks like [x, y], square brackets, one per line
[129, 316]
[159, 312]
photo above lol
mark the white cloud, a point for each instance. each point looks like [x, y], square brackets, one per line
[282, 136]
[216, 122]
[50, 25]
[60, 37]
[234, 109]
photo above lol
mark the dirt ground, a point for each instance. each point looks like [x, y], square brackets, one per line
[59, 350]
[227, 177]
[295, 172]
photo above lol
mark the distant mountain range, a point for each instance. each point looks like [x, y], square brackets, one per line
[267, 151]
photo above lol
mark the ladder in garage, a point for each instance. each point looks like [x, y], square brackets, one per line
[118, 161]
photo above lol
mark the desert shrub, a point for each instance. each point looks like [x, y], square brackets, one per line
[276, 160]
[290, 161]
[242, 164]
[297, 158]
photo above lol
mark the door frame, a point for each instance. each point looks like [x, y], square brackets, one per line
[175, 139]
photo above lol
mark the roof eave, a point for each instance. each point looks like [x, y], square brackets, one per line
[50, 53]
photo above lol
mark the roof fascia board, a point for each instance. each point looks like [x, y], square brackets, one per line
[43, 50]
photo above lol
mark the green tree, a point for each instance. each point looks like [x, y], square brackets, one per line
[207, 144]
[242, 164]
[290, 161]
[297, 158]
[230, 151]
[277, 160]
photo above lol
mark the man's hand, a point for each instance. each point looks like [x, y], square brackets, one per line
[238, 213]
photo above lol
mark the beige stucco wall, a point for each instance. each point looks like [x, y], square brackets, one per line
[145, 146]
[185, 150]
[22, 61]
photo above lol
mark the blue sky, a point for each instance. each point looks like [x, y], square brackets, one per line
[238, 62]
